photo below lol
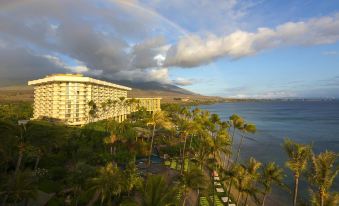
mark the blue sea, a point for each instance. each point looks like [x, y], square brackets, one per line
[311, 122]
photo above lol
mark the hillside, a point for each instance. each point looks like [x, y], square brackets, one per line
[169, 93]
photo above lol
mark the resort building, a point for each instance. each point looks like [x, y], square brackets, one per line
[77, 100]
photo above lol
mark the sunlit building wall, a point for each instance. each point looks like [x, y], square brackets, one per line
[77, 100]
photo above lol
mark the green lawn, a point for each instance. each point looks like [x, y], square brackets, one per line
[217, 200]
[203, 201]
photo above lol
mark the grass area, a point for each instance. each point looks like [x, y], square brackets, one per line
[203, 201]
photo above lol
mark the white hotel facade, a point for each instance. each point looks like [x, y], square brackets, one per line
[67, 97]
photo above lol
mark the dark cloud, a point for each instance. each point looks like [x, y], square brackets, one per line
[97, 34]
[18, 65]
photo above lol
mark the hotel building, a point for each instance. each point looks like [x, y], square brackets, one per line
[77, 100]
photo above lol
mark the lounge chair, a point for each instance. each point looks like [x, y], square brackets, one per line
[217, 183]
[219, 189]
[225, 199]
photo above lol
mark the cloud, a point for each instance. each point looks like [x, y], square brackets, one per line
[97, 37]
[123, 40]
[332, 82]
[266, 95]
[330, 53]
[193, 50]
[183, 82]
[154, 74]
[18, 65]
[203, 15]
[79, 68]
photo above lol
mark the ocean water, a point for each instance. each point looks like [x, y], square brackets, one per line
[312, 122]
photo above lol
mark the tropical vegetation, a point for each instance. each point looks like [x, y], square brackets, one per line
[178, 156]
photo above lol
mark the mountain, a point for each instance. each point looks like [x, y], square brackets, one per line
[168, 93]
[149, 86]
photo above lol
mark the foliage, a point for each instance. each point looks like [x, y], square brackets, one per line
[323, 172]
[108, 183]
[157, 192]
[15, 111]
[96, 163]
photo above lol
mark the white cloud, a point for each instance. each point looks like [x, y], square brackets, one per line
[79, 68]
[266, 95]
[183, 82]
[194, 50]
[160, 75]
[330, 53]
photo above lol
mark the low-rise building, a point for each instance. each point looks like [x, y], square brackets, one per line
[77, 100]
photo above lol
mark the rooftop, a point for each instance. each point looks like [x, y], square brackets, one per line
[75, 78]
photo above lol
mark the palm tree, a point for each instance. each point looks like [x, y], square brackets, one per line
[131, 177]
[203, 147]
[241, 180]
[244, 128]
[22, 147]
[221, 145]
[247, 128]
[194, 179]
[323, 173]
[20, 187]
[236, 122]
[110, 140]
[298, 155]
[188, 129]
[252, 167]
[271, 174]
[331, 200]
[9, 138]
[157, 192]
[159, 118]
[104, 108]
[93, 109]
[108, 183]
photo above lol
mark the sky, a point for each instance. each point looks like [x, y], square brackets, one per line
[229, 48]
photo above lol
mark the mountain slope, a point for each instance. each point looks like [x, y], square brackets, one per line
[168, 93]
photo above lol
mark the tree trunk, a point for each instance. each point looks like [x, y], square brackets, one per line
[213, 181]
[229, 156]
[76, 196]
[94, 198]
[183, 156]
[228, 161]
[246, 199]
[233, 134]
[295, 194]
[321, 195]
[189, 155]
[36, 163]
[238, 198]
[184, 202]
[18, 163]
[264, 199]
[151, 147]
[229, 188]
[111, 148]
[4, 200]
[239, 148]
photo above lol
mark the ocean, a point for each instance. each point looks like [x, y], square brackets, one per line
[311, 122]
